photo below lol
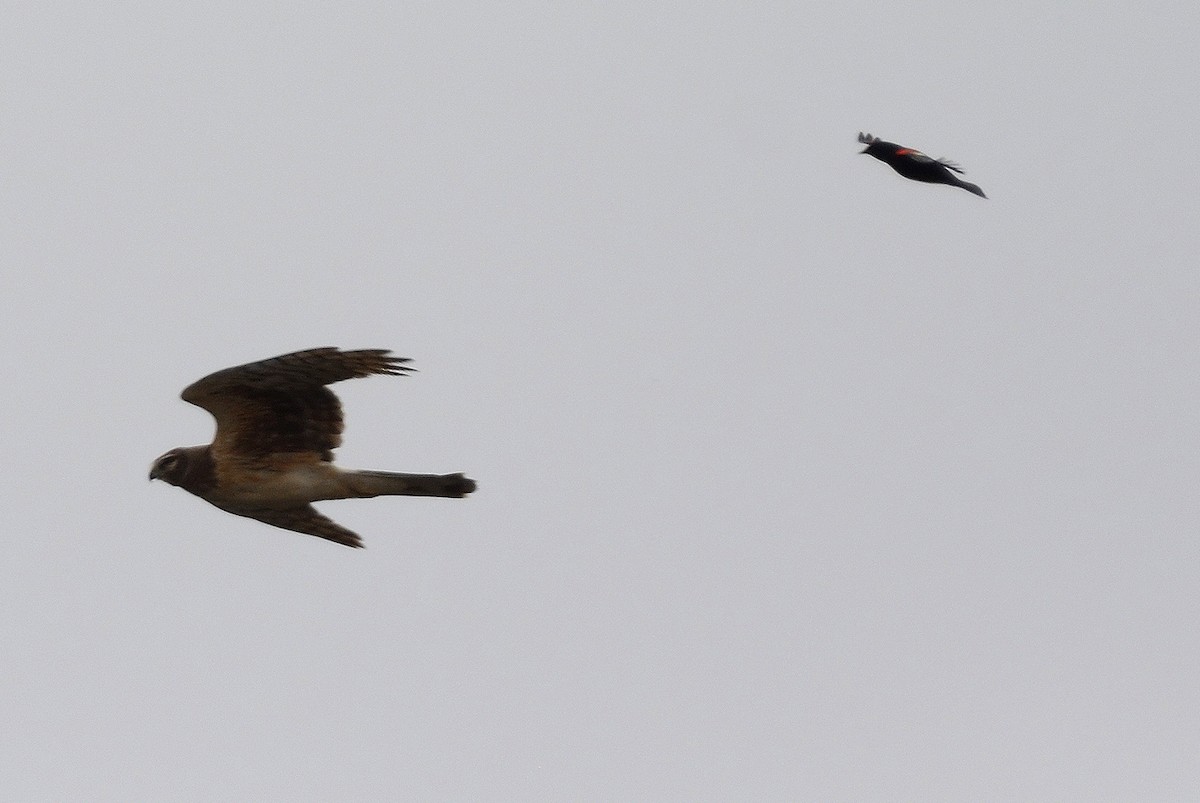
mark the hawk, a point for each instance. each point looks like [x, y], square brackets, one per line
[277, 427]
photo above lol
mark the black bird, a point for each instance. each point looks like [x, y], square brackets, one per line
[916, 165]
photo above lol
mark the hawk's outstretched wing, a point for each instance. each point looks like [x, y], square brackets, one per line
[305, 520]
[281, 405]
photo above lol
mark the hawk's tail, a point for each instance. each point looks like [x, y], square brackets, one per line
[386, 483]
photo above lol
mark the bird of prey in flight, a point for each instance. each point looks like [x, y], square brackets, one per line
[277, 427]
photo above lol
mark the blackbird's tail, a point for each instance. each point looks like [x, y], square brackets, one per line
[969, 187]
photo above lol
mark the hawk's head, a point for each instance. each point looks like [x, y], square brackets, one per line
[190, 467]
[170, 467]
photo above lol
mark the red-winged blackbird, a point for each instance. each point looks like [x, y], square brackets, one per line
[916, 165]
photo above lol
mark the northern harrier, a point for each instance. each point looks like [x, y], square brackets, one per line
[277, 426]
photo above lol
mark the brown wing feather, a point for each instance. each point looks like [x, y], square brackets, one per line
[281, 404]
[306, 520]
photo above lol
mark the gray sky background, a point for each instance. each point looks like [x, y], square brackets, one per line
[798, 480]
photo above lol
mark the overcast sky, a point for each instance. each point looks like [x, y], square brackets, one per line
[797, 480]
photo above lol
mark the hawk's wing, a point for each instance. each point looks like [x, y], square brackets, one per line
[281, 404]
[305, 520]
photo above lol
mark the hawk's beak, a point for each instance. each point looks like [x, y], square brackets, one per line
[864, 150]
[153, 473]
